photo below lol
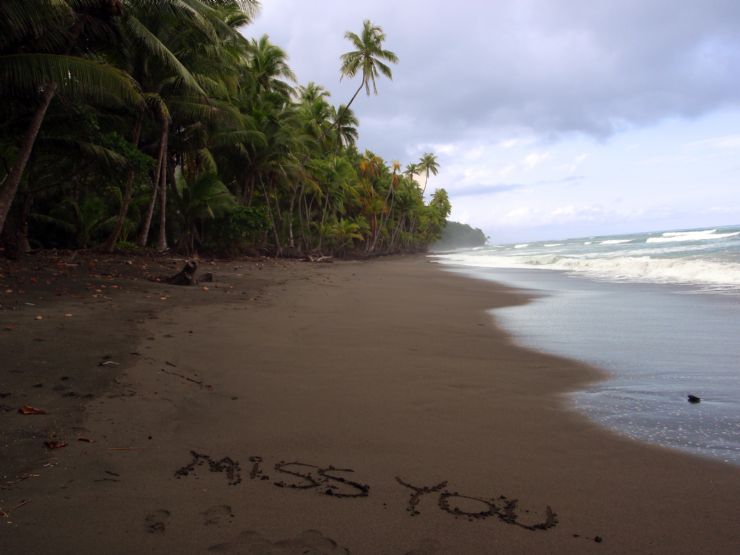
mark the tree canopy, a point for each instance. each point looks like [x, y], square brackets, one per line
[157, 123]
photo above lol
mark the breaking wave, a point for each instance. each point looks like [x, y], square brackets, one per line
[624, 268]
[685, 236]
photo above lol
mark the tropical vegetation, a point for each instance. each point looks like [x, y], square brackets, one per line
[129, 124]
[456, 235]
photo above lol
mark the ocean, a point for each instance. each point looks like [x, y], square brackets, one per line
[658, 311]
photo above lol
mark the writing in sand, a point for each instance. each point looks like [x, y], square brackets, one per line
[333, 482]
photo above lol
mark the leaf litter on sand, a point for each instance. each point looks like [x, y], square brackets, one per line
[28, 409]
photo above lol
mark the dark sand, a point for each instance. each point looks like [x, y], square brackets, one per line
[232, 425]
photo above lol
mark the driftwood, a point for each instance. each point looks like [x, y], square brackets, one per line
[311, 258]
[186, 276]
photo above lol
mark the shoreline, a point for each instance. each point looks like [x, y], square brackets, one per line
[390, 368]
[643, 395]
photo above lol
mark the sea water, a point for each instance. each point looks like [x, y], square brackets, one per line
[660, 312]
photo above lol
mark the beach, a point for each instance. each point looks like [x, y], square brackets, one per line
[364, 407]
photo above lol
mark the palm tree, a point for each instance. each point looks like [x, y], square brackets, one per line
[367, 58]
[312, 92]
[345, 125]
[269, 63]
[428, 164]
[396, 166]
[40, 58]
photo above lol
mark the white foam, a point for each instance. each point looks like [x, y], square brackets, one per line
[615, 241]
[522, 246]
[623, 268]
[588, 242]
[681, 236]
[553, 244]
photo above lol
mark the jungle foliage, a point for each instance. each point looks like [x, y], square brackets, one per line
[158, 123]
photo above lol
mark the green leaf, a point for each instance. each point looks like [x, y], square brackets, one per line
[26, 74]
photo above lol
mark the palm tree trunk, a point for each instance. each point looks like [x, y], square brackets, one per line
[290, 219]
[396, 231]
[10, 187]
[144, 234]
[128, 193]
[339, 119]
[382, 222]
[272, 220]
[143, 238]
[351, 100]
[301, 197]
[323, 219]
[162, 239]
[24, 246]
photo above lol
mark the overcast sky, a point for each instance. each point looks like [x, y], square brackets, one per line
[550, 118]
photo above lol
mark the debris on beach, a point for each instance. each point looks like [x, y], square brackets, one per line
[186, 276]
[28, 409]
[694, 399]
[321, 259]
[109, 363]
[54, 444]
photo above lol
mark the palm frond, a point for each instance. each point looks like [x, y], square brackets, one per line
[152, 43]
[26, 74]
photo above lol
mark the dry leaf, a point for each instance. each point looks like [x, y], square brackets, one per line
[39, 317]
[28, 409]
[205, 288]
[55, 444]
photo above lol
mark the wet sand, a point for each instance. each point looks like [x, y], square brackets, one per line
[356, 407]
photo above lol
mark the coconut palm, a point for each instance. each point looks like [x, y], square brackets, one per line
[269, 65]
[41, 57]
[132, 110]
[368, 58]
[312, 92]
[345, 125]
[428, 164]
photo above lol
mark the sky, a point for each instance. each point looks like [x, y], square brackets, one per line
[550, 118]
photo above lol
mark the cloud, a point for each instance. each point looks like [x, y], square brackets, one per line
[718, 143]
[521, 100]
[531, 67]
[534, 159]
[568, 179]
[525, 216]
[473, 190]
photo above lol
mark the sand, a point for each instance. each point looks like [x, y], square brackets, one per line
[355, 407]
